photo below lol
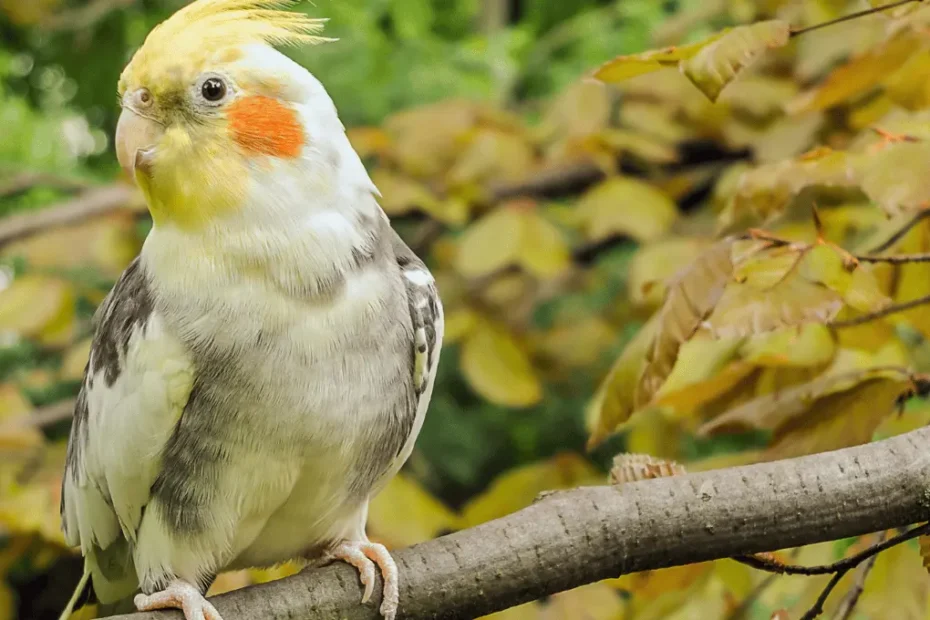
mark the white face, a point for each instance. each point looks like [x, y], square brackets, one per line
[328, 164]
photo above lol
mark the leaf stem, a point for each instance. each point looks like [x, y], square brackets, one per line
[892, 309]
[817, 609]
[763, 563]
[848, 604]
[896, 259]
[851, 16]
[899, 234]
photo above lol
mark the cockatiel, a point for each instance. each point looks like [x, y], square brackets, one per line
[264, 366]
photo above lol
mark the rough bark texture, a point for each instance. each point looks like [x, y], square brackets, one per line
[571, 538]
[93, 202]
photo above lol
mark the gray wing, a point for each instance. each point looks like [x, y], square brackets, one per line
[426, 319]
[136, 383]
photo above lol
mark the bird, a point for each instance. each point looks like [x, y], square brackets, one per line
[263, 367]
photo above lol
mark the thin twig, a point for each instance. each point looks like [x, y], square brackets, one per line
[845, 608]
[817, 609]
[746, 604]
[896, 259]
[872, 316]
[93, 202]
[856, 15]
[763, 563]
[897, 236]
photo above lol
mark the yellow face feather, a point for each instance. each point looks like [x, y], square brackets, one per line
[196, 173]
[178, 49]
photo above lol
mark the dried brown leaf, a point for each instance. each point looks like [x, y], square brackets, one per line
[691, 298]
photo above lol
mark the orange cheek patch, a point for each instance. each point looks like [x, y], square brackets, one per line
[265, 126]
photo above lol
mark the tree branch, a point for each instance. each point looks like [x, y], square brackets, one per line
[91, 203]
[879, 314]
[848, 604]
[575, 537]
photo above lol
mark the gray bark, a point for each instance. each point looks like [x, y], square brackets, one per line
[575, 537]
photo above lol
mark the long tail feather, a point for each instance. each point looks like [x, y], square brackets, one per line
[78, 592]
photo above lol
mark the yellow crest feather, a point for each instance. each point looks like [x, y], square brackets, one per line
[199, 30]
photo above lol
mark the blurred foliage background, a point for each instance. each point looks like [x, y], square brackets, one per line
[557, 214]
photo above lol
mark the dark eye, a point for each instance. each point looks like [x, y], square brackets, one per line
[213, 89]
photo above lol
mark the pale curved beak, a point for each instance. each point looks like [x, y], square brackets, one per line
[136, 137]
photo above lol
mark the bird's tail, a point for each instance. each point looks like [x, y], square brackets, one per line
[79, 594]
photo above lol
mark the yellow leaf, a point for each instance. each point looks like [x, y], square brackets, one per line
[906, 86]
[759, 95]
[368, 141]
[719, 61]
[691, 297]
[458, 323]
[404, 514]
[613, 402]
[736, 577]
[543, 251]
[657, 594]
[895, 176]
[765, 191]
[810, 344]
[582, 109]
[106, 243]
[515, 233]
[644, 147]
[626, 206]
[840, 420]
[426, 139]
[654, 264]
[491, 243]
[857, 76]
[577, 344]
[625, 67]
[518, 487]
[654, 119]
[30, 491]
[650, 431]
[36, 306]
[863, 292]
[702, 371]
[493, 155]
[832, 411]
[497, 367]
[74, 361]
[526, 611]
[898, 586]
[689, 398]
[401, 195]
[595, 601]
[770, 293]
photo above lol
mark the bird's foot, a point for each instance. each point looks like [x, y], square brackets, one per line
[179, 595]
[364, 555]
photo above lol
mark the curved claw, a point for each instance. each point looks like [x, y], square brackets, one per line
[179, 595]
[363, 555]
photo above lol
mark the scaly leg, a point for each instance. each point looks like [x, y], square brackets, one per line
[363, 555]
[179, 595]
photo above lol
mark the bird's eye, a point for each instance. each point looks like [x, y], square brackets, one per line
[213, 89]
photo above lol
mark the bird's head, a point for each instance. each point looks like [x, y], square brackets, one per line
[209, 106]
